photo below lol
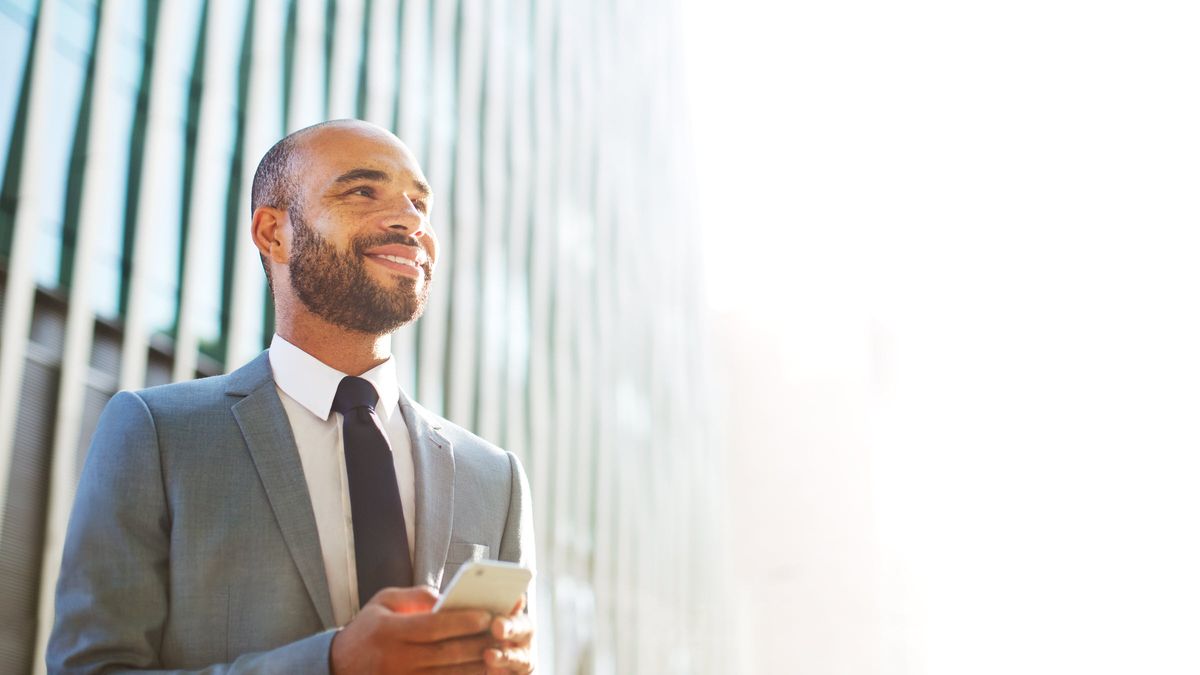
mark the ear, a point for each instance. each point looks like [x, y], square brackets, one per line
[268, 227]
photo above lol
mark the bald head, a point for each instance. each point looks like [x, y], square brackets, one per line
[275, 182]
[341, 221]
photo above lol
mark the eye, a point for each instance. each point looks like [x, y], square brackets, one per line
[364, 190]
[420, 204]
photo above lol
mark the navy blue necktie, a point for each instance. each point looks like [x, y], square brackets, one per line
[380, 539]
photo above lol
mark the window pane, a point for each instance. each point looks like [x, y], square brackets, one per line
[110, 219]
[164, 232]
[16, 29]
[219, 164]
[67, 69]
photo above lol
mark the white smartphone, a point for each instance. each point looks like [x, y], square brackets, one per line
[486, 584]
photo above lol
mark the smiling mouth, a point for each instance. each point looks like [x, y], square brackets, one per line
[405, 266]
[398, 259]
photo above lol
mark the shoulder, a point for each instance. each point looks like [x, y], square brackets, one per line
[196, 399]
[470, 450]
[206, 395]
[185, 394]
[138, 429]
[163, 415]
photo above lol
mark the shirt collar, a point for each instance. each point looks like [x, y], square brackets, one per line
[313, 384]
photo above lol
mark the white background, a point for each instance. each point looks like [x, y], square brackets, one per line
[953, 263]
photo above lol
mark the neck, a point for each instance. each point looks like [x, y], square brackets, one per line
[351, 352]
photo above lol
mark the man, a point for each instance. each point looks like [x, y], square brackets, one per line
[296, 515]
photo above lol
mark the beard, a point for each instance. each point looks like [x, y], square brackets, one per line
[337, 287]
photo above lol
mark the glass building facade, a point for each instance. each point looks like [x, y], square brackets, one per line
[564, 323]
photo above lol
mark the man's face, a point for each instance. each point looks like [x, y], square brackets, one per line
[362, 253]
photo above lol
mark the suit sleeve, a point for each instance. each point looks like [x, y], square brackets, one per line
[112, 599]
[517, 544]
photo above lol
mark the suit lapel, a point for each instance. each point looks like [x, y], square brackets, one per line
[433, 465]
[264, 425]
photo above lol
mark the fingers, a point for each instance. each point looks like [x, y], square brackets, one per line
[463, 669]
[515, 633]
[511, 660]
[396, 632]
[417, 599]
[458, 652]
[516, 628]
[519, 606]
[445, 625]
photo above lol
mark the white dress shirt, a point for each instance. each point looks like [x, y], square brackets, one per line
[306, 387]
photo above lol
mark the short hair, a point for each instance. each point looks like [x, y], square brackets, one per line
[275, 183]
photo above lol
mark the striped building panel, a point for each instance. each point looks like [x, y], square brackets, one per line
[431, 339]
[564, 317]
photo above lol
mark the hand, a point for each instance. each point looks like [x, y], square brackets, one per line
[397, 633]
[514, 652]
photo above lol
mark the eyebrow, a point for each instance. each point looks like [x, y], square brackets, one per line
[423, 188]
[380, 177]
[363, 174]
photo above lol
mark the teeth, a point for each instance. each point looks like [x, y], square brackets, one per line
[398, 259]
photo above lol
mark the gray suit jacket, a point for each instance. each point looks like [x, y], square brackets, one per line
[192, 543]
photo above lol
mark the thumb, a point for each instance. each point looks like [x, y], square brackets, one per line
[518, 607]
[414, 600]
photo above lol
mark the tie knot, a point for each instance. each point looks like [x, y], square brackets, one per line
[354, 392]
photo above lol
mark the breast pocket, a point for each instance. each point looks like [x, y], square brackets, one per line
[459, 555]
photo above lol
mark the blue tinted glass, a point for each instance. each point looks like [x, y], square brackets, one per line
[165, 234]
[210, 239]
[67, 69]
[107, 248]
[23, 7]
[16, 29]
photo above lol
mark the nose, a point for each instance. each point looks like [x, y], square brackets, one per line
[408, 219]
[413, 221]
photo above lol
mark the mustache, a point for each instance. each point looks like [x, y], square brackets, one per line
[369, 241]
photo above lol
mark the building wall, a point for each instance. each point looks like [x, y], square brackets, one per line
[563, 324]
